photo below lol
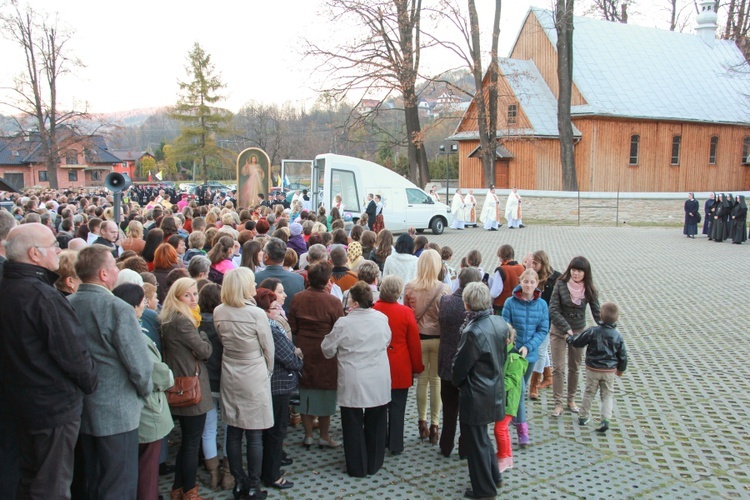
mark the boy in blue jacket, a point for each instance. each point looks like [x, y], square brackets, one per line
[606, 357]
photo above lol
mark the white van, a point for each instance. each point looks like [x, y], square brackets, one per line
[405, 204]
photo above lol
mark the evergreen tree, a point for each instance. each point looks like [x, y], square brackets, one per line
[202, 120]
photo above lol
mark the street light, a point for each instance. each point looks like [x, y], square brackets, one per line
[454, 149]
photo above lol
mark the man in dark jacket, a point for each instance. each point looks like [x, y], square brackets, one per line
[478, 373]
[273, 258]
[45, 363]
[371, 210]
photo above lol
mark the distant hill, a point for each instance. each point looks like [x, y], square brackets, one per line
[130, 118]
[7, 125]
[461, 78]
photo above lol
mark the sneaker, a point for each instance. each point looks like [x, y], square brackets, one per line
[504, 464]
[603, 426]
[583, 420]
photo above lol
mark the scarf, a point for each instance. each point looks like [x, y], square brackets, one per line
[196, 311]
[472, 315]
[577, 291]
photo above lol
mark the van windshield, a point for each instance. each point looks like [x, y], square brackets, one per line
[415, 196]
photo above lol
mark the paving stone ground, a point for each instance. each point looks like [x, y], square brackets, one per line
[680, 426]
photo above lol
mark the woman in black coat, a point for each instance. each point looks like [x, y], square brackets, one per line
[729, 227]
[708, 210]
[478, 374]
[718, 228]
[692, 216]
[739, 220]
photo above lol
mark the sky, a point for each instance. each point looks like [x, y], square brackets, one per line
[135, 52]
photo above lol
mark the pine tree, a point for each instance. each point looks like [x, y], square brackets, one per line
[202, 121]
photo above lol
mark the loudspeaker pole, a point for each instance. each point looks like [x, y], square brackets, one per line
[118, 201]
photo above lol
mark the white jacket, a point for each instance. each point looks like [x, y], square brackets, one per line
[360, 342]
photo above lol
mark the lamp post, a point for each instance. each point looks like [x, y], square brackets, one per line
[454, 149]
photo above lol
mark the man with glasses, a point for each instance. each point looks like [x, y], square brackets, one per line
[45, 364]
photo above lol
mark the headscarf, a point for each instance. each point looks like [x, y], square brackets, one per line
[354, 253]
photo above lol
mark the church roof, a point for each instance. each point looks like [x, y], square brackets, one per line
[535, 98]
[633, 71]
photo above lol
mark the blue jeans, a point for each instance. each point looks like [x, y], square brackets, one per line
[542, 361]
[521, 417]
[210, 450]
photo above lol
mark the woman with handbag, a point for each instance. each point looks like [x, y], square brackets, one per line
[246, 367]
[423, 295]
[186, 350]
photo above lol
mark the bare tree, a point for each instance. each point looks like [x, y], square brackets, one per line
[383, 59]
[678, 17]
[615, 11]
[34, 94]
[738, 24]
[564, 27]
[486, 94]
[262, 125]
[486, 112]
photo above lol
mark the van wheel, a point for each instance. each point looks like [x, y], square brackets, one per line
[437, 225]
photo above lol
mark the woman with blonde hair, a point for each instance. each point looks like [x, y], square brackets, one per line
[211, 219]
[246, 366]
[134, 241]
[67, 281]
[186, 350]
[423, 295]
[319, 228]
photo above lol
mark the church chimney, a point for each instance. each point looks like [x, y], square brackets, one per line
[706, 22]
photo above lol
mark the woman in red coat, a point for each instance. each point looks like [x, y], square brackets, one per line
[404, 355]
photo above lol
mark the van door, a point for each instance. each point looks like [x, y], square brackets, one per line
[419, 208]
[344, 184]
[394, 210]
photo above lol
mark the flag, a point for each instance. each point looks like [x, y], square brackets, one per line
[158, 175]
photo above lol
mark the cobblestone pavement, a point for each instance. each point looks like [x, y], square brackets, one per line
[679, 428]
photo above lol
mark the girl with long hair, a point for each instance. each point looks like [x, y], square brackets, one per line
[567, 309]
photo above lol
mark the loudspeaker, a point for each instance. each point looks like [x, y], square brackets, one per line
[117, 182]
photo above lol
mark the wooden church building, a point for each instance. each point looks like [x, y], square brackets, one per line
[653, 110]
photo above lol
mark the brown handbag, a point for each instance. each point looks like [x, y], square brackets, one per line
[186, 391]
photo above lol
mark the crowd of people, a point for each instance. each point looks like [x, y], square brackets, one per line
[207, 316]
[725, 218]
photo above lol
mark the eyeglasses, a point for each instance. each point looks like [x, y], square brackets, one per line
[55, 244]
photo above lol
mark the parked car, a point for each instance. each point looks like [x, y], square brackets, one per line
[213, 185]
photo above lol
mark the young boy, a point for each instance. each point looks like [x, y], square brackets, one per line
[606, 357]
